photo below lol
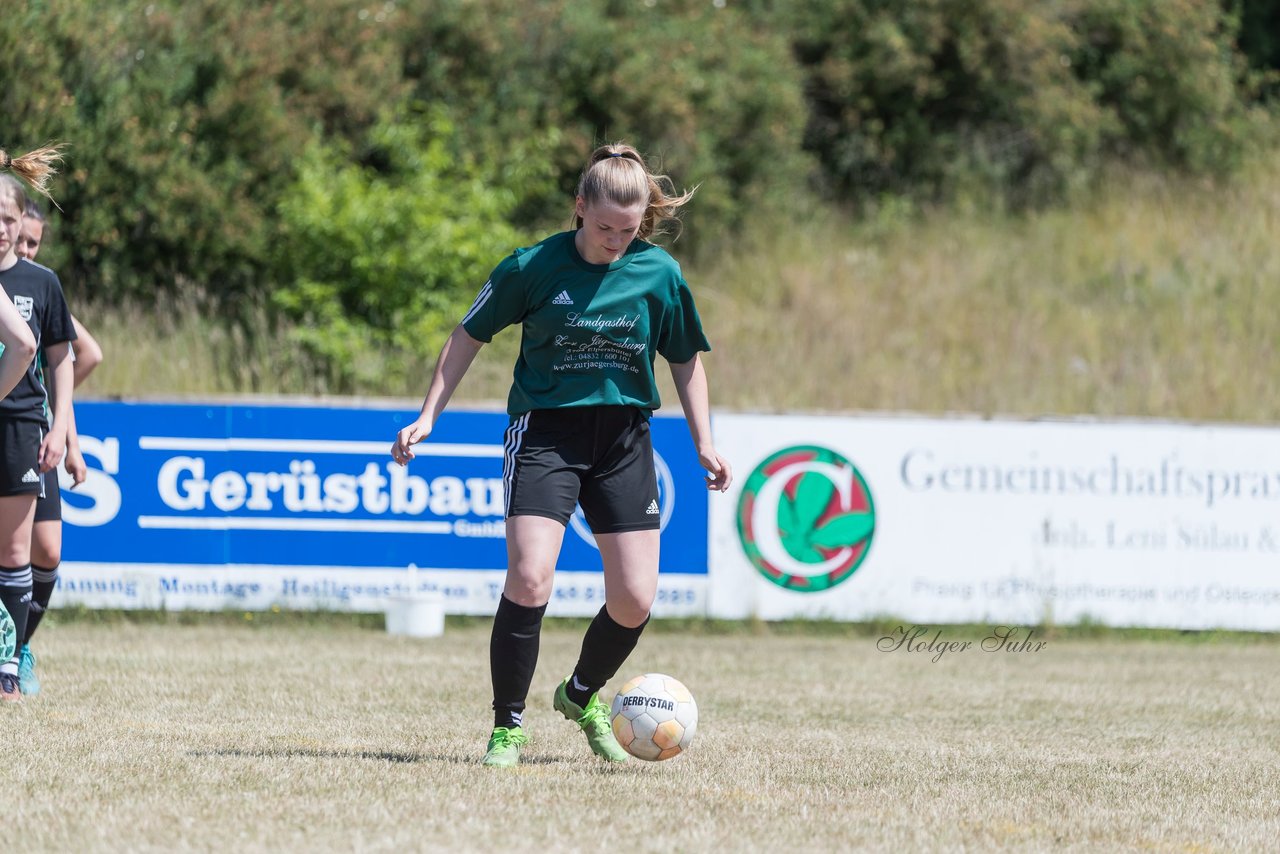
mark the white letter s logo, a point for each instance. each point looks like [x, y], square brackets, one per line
[99, 485]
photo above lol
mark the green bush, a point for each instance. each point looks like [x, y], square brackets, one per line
[271, 154]
[183, 120]
[1168, 74]
[714, 99]
[371, 259]
[186, 118]
[924, 96]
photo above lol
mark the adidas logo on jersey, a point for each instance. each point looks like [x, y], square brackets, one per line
[562, 299]
[653, 508]
[31, 476]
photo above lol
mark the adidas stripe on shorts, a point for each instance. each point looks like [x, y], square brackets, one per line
[20, 457]
[598, 456]
[49, 505]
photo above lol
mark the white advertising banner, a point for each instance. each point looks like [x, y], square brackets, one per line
[178, 587]
[952, 520]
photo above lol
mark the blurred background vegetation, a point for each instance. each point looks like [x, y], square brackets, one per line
[1000, 206]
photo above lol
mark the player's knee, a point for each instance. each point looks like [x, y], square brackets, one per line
[14, 555]
[46, 543]
[530, 591]
[44, 554]
[631, 610]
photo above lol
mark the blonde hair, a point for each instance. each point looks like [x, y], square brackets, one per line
[617, 174]
[34, 167]
[11, 189]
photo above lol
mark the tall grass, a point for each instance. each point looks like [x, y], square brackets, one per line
[1150, 298]
[177, 348]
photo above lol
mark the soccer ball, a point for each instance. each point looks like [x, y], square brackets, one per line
[654, 717]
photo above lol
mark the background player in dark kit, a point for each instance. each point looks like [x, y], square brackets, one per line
[46, 538]
[30, 446]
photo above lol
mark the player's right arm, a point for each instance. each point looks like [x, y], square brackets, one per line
[455, 358]
[19, 345]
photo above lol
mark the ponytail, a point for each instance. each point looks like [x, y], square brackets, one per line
[34, 167]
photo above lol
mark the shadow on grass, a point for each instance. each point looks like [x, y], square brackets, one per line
[392, 756]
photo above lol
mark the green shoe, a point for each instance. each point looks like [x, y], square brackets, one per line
[504, 747]
[8, 635]
[27, 672]
[594, 720]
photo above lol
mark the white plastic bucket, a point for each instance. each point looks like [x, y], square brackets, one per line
[417, 615]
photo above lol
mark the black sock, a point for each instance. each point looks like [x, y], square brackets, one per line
[604, 648]
[43, 580]
[513, 654]
[15, 593]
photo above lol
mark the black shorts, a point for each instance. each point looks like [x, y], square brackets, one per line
[20, 458]
[598, 456]
[49, 505]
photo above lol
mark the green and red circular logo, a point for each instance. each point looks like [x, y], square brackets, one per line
[806, 518]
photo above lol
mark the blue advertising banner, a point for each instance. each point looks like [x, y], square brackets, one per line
[247, 505]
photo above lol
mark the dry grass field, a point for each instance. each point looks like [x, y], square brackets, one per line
[329, 736]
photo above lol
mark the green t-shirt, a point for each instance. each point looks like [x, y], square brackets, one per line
[589, 332]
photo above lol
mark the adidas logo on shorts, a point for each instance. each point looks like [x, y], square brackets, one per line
[562, 299]
[31, 476]
[653, 508]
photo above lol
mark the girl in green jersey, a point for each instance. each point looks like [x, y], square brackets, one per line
[596, 306]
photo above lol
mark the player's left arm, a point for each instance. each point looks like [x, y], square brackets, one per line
[55, 443]
[74, 463]
[88, 352]
[691, 384]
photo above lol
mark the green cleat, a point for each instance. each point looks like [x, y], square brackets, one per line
[504, 747]
[594, 720]
[27, 672]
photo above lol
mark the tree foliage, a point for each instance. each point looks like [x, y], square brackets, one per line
[358, 164]
[922, 96]
[389, 257]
